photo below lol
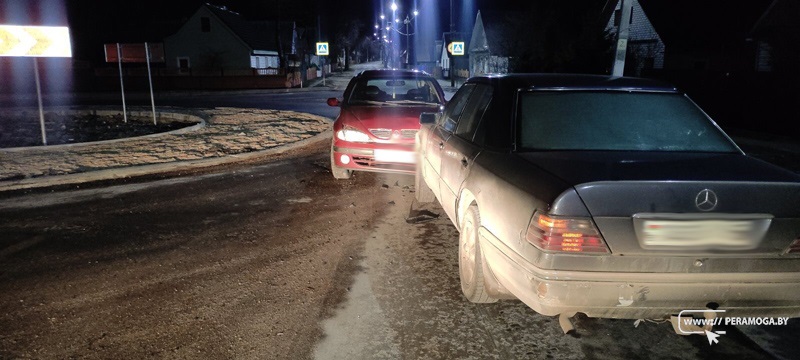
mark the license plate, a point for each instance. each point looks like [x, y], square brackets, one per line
[395, 156]
[742, 234]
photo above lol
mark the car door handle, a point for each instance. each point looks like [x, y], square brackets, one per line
[441, 146]
[464, 162]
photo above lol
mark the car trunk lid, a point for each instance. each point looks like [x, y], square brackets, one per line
[715, 205]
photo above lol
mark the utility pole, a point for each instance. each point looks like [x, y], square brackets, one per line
[452, 33]
[623, 30]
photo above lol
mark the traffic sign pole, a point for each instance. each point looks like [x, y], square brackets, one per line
[122, 84]
[39, 95]
[150, 77]
[35, 42]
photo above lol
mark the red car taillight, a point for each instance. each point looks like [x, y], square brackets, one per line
[567, 234]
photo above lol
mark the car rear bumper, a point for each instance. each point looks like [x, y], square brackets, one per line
[639, 295]
[388, 159]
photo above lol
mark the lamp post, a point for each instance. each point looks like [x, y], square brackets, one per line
[394, 24]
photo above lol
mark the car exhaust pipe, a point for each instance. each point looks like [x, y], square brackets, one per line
[564, 319]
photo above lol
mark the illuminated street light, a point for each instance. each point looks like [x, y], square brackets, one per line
[383, 17]
[394, 6]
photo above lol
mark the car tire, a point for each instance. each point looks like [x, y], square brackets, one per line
[422, 192]
[470, 259]
[338, 172]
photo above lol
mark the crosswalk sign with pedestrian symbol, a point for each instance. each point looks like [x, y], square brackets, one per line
[322, 49]
[456, 48]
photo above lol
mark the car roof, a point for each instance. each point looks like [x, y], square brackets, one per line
[573, 81]
[392, 73]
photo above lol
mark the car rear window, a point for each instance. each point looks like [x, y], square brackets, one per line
[615, 120]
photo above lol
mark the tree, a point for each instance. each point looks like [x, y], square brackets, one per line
[347, 38]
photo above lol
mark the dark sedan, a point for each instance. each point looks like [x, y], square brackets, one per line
[613, 197]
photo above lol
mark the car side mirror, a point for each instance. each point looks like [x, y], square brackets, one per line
[428, 118]
[333, 102]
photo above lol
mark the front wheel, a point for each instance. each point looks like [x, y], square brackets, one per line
[338, 172]
[470, 259]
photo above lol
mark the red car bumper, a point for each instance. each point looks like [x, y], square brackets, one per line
[380, 157]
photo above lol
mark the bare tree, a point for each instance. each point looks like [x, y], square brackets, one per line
[347, 38]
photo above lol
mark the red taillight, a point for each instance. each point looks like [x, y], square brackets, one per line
[794, 248]
[576, 235]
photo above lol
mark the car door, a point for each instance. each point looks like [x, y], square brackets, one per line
[441, 132]
[460, 148]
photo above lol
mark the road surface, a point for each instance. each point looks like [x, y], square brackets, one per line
[277, 260]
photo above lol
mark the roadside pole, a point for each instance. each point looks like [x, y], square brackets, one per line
[35, 42]
[122, 84]
[623, 30]
[150, 77]
[322, 51]
[39, 95]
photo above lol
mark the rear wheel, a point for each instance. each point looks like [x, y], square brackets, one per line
[422, 192]
[470, 259]
[338, 172]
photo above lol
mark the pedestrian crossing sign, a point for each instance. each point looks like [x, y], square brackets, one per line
[322, 49]
[456, 48]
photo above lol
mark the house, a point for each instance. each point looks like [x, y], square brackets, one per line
[777, 27]
[218, 38]
[488, 48]
[645, 46]
[687, 35]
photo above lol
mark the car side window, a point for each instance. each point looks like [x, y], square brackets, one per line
[455, 107]
[473, 112]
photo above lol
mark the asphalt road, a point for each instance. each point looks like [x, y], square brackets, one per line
[277, 260]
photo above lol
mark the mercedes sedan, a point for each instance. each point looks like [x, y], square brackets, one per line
[379, 120]
[612, 197]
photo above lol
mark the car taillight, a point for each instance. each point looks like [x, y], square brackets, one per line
[567, 234]
[794, 248]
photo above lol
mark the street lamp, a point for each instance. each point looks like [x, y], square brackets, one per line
[407, 21]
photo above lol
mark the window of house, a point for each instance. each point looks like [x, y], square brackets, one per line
[183, 64]
[205, 24]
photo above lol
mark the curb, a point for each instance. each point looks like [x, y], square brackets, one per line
[154, 169]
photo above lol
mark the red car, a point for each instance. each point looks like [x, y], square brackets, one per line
[379, 120]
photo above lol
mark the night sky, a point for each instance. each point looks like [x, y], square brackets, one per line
[95, 22]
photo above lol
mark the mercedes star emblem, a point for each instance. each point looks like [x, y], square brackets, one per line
[706, 200]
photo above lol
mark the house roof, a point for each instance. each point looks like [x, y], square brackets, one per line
[259, 35]
[692, 24]
[494, 24]
[781, 16]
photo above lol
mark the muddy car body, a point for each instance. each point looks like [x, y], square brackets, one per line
[613, 197]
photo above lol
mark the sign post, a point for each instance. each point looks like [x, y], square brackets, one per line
[135, 53]
[35, 42]
[150, 77]
[122, 84]
[39, 97]
[323, 50]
